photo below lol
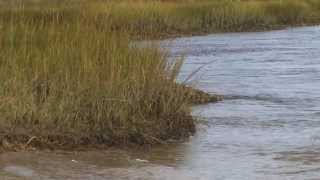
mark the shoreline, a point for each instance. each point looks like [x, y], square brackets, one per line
[173, 36]
[24, 142]
[70, 78]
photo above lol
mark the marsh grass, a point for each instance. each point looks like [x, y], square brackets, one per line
[71, 76]
[65, 81]
[161, 19]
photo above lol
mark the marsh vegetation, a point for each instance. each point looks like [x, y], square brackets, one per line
[70, 75]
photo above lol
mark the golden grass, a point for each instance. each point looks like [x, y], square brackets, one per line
[158, 19]
[66, 80]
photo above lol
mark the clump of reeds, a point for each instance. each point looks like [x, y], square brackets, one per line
[68, 80]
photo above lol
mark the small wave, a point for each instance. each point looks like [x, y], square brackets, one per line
[316, 113]
[268, 98]
[301, 102]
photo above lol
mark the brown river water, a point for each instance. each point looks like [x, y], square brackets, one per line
[268, 126]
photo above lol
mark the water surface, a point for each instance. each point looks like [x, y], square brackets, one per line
[268, 127]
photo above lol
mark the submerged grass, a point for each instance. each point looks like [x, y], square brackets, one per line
[71, 76]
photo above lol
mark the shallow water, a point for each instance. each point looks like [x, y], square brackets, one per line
[268, 126]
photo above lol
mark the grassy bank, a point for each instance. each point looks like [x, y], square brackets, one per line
[162, 19]
[145, 19]
[66, 82]
[70, 75]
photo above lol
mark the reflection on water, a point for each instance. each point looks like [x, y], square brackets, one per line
[268, 126]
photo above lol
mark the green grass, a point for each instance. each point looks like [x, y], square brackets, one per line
[70, 74]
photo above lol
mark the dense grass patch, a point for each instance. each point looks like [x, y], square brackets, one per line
[65, 81]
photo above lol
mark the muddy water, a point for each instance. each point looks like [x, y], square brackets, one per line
[268, 127]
